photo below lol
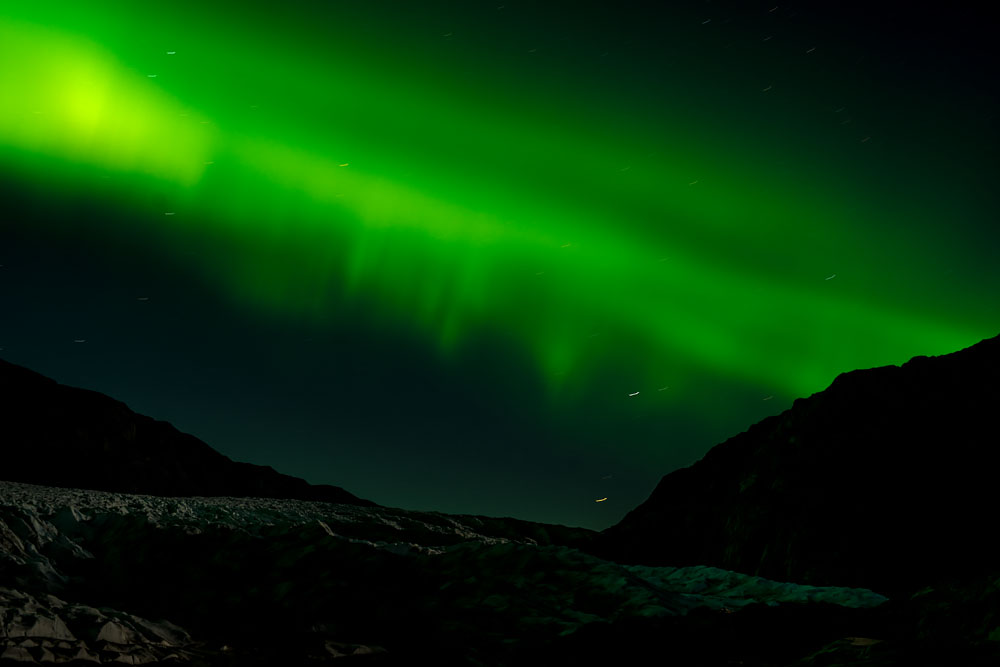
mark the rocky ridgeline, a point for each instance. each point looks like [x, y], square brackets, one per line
[112, 577]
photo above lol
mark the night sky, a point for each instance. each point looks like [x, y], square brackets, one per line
[497, 257]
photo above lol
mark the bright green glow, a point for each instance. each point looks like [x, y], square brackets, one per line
[458, 215]
[66, 98]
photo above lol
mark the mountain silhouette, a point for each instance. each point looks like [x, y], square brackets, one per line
[56, 435]
[887, 480]
[854, 528]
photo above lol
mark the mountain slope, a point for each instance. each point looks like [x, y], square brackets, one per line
[885, 480]
[63, 436]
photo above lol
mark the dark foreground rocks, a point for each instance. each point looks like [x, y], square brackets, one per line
[217, 581]
[876, 497]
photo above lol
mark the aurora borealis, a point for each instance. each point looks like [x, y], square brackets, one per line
[488, 257]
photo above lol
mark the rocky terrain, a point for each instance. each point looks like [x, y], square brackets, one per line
[875, 497]
[109, 577]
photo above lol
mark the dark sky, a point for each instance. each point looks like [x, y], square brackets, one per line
[493, 258]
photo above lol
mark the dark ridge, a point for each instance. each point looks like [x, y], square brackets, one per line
[56, 435]
[888, 480]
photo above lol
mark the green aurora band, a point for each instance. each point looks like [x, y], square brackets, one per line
[656, 248]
